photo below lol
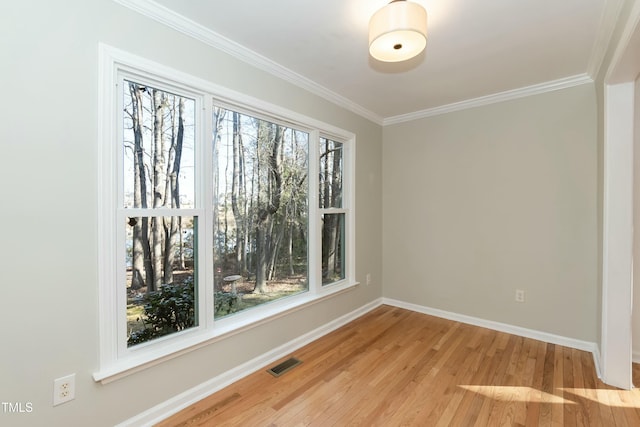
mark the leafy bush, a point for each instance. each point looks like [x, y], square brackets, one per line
[171, 309]
[167, 310]
[226, 303]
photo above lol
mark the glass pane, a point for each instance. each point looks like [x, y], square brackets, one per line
[161, 254]
[260, 211]
[158, 144]
[330, 174]
[333, 251]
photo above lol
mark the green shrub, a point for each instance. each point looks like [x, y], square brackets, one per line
[167, 310]
[226, 303]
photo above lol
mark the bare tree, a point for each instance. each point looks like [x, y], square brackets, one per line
[158, 130]
[238, 188]
[173, 225]
[158, 186]
[331, 161]
[264, 166]
[141, 257]
[270, 204]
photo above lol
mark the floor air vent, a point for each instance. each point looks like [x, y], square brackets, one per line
[283, 367]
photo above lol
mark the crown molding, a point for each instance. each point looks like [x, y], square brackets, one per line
[492, 99]
[618, 69]
[166, 16]
[610, 14]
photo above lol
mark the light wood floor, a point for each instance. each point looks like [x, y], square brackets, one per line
[394, 367]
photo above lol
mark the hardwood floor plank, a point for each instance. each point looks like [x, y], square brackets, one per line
[394, 367]
[592, 383]
[471, 401]
[462, 398]
[578, 382]
[557, 410]
[536, 363]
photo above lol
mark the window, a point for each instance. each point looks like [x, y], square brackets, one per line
[216, 211]
[157, 211]
[261, 226]
[332, 211]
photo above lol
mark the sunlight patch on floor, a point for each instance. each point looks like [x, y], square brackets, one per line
[516, 394]
[614, 398]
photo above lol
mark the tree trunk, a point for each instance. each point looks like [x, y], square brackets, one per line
[218, 118]
[181, 260]
[140, 249]
[252, 245]
[169, 226]
[172, 192]
[332, 198]
[146, 247]
[175, 191]
[290, 249]
[272, 204]
[225, 212]
[159, 185]
[261, 258]
[336, 201]
[237, 185]
[276, 242]
[328, 246]
[328, 226]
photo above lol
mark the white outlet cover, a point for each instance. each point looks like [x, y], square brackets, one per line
[64, 389]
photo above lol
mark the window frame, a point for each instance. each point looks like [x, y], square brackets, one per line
[346, 201]
[197, 211]
[118, 360]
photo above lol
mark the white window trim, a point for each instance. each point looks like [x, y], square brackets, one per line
[116, 363]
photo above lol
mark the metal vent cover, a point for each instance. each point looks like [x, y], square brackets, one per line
[283, 367]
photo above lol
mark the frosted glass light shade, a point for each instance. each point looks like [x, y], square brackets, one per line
[398, 31]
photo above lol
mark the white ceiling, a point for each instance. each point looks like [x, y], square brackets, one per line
[475, 48]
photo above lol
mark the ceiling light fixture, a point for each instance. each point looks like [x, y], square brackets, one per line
[398, 31]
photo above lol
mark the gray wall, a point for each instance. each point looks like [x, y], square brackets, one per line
[484, 201]
[48, 146]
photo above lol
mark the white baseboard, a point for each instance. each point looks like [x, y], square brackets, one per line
[597, 360]
[165, 409]
[635, 356]
[503, 327]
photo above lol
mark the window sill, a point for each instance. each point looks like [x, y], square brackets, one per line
[200, 337]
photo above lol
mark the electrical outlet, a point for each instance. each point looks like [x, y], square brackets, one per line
[519, 295]
[368, 279]
[64, 389]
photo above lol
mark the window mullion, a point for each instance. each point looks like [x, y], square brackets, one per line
[151, 212]
[120, 293]
[333, 211]
[120, 280]
[349, 198]
[315, 223]
[205, 200]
